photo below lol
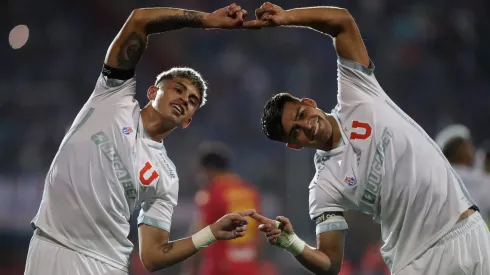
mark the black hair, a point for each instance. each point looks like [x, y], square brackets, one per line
[271, 120]
[215, 155]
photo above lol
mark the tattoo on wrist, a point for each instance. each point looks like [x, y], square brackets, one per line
[131, 50]
[167, 247]
[172, 22]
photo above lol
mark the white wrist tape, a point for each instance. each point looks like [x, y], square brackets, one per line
[290, 242]
[203, 238]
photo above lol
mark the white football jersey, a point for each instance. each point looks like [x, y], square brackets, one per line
[478, 184]
[105, 167]
[388, 167]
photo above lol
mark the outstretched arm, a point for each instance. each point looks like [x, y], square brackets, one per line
[334, 21]
[326, 259]
[130, 43]
[157, 252]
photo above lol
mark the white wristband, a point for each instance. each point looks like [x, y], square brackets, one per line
[203, 238]
[290, 242]
[296, 247]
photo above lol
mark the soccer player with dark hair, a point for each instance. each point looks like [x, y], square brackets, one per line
[371, 157]
[112, 160]
[222, 191]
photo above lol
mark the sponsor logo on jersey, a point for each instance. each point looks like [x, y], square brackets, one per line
[127, 130]
[375, 173]
[119, 169]
[351, 181]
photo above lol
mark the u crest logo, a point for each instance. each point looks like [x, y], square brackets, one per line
[362, 134]
[148, 174]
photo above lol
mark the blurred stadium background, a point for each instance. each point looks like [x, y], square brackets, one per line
[432, 57]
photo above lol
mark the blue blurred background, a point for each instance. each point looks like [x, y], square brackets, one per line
[432, 57]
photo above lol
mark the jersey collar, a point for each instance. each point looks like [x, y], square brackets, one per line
[144, 135]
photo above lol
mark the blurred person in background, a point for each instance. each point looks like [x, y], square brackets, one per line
[372, 262]
[482, 158]
[371, 157]
[222, 191]
[456, 143]
[113, 159]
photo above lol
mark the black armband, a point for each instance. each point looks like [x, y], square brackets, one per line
[114, 73]
[328, 215]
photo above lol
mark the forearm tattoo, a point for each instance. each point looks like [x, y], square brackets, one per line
[164, 23]
[167, 247]
[131, 50]
[135, 44]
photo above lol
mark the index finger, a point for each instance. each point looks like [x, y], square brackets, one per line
[254, 24]
[261, 219]
[247, 212]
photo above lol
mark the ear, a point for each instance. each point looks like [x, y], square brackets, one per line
[309, 101]
[293, 146]
[152, 92]
[186, 123]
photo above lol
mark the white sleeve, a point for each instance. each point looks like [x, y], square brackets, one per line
[325, 205]
[356, 83]
[113, 90]
[157, 211]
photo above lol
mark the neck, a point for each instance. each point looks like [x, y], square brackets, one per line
[154, 124]
[215, 173]
[336, 135]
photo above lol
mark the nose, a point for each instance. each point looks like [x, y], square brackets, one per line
[305, 124]
[185, 100]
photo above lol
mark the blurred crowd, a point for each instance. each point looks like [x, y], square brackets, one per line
[432, 58]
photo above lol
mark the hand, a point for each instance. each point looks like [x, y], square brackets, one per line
[268, 15]
[231, 226]
[230, 17]
[273, 229]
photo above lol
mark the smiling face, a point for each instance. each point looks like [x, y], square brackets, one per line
[176, 99]
[299, 123]
[305, 125]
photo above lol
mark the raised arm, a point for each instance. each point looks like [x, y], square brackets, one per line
[158, 252]
[334, 21]
[325, 259]
[130, 43]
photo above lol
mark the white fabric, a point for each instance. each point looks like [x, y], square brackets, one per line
[94, 183]
[465, 250]
[48, 257]
[478, 185]
[388, 167]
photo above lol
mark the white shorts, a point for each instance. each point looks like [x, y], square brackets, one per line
[46, 256]
[465, 250]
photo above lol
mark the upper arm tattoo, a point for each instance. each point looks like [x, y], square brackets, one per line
[173, 22]
[131, 50]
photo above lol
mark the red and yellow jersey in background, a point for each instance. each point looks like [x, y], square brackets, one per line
[225, 194]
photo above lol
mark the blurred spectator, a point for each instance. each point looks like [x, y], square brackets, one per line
[371, 262]
[223, 191]
[456, 144]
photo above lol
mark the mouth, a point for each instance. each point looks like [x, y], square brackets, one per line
[314, 130]
[178, 108]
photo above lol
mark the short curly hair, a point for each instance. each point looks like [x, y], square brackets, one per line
[192, 75]
[272, 116]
